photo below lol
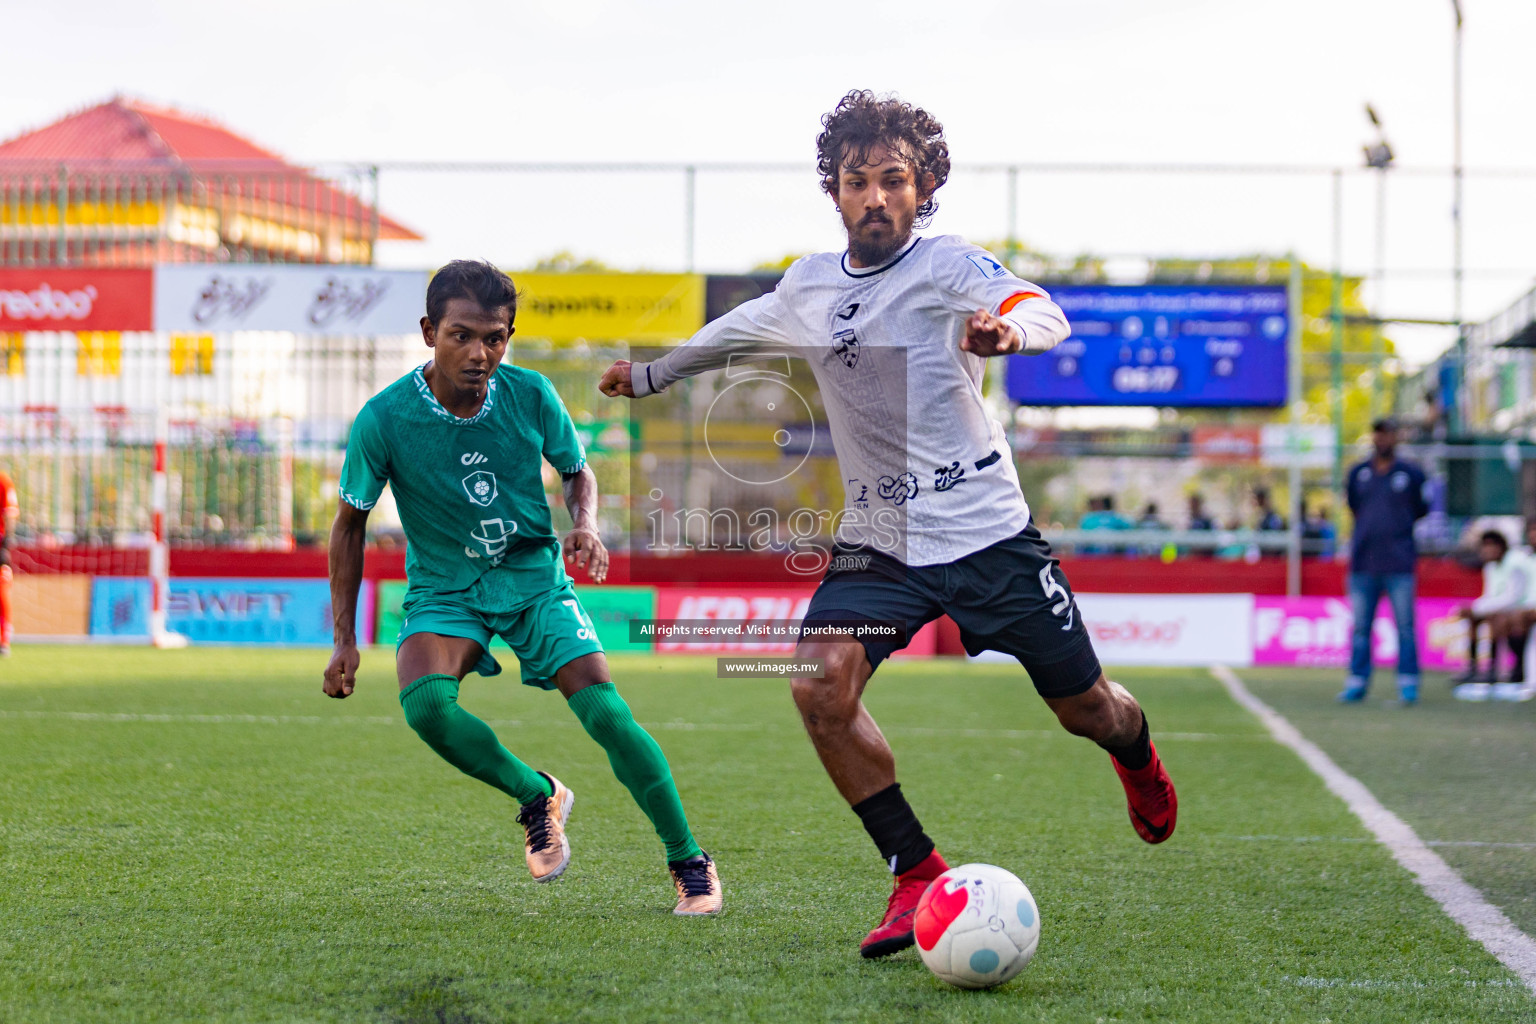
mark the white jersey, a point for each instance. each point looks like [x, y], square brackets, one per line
[928, 475]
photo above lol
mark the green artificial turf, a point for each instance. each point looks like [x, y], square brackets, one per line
[199, 835]
[1463, 775]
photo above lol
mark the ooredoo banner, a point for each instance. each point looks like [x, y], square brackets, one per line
[51, 299]
[1170, 629]
[214, 297]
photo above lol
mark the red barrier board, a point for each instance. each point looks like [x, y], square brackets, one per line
[54, 299]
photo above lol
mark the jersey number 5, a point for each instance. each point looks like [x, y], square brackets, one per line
[1053, 589]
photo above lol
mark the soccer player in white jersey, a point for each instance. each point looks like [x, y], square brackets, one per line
[897, 330]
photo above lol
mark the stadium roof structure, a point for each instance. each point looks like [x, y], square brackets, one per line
[1515, 327]
[129, 183]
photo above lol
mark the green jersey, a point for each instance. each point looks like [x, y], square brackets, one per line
[470, 491]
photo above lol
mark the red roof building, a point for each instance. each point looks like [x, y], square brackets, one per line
[130, 184]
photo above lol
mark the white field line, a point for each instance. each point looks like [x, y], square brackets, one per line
[1480, 843]
[510, 723]
[1484, 922]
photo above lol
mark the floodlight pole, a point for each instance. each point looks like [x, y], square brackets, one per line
[1336, 317]
[1378, 158]
[1297, 404]
[1013, 218]
[1456, 255]
[690, 186]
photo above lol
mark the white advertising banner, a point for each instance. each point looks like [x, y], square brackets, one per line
[1309, 445]
[1167, 629]
[219, 297]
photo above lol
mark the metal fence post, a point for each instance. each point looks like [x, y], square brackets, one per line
[1297, 402]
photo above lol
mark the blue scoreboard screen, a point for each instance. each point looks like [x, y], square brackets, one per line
[1172, 345]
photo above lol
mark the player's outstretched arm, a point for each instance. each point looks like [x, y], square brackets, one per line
[582, 545]
[346, 569]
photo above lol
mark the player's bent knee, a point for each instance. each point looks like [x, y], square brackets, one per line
[428, 703]
[1089, 714]
[825, 703]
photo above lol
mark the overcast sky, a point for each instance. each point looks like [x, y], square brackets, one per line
[1114, 81]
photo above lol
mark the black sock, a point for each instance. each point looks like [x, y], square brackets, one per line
[1137, 754]
[889, 820]
[1517, 648]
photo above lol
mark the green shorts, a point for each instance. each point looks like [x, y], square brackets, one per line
[544, 633]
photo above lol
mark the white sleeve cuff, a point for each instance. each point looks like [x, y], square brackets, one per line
[640, 380]
[1041, 323]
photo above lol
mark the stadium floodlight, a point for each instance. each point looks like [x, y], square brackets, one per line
[1378, 157]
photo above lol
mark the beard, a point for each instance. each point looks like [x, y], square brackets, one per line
[873, 250]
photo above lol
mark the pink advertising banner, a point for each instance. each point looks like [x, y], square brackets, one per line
[1316, 631]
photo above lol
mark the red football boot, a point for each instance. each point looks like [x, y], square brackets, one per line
[1149, 796]
[894, 932]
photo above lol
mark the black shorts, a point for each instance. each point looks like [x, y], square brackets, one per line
[1011, 597]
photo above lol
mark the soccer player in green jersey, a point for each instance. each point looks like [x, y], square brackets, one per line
[459, 440]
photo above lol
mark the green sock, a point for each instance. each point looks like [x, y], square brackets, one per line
[431, 706]
[638, 762]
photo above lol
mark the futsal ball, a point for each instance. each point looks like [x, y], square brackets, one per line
[976, 926]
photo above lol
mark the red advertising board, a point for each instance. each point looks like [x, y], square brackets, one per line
[54, 299]
[752, 608]
[1226, 444]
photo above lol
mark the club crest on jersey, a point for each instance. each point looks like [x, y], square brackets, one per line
[480, 486]
[988, 266]
[897, 489]
[493, 535]
[845, 345]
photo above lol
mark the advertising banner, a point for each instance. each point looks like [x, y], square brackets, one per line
[1170, 629]
[1171, 345]
[748, 610]
[609, 307]
[1316, 631]
[389, 595]
[1225, 445]
[226, 611]
[610, 608]
[1309, 445]
[50, 299]
[51, 606]
[197, 298]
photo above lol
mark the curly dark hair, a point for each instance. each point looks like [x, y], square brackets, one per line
[862, 121]
[476, 280]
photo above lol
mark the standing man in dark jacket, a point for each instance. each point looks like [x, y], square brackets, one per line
[1386, 495]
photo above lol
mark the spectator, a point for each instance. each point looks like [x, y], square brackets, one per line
[10, 511]
[1515, 625]
[1269, 519]
[1149, 518]
[1386, 495]
[1198, 520]
[1317, 532]
[1506, 583]
[1102, 516]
